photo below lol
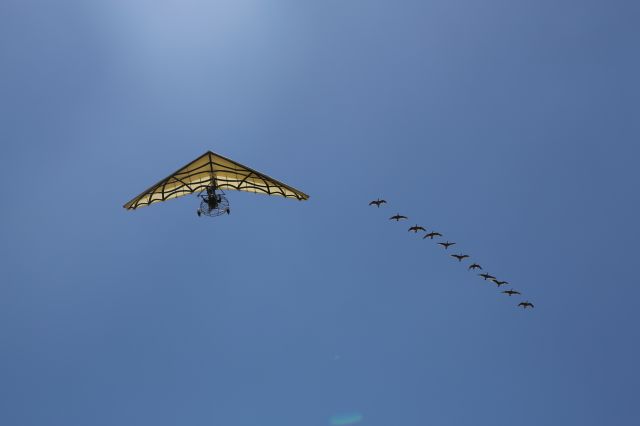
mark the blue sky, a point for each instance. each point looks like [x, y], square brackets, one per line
[509, 126]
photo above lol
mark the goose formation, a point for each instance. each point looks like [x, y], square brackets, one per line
[459, 256]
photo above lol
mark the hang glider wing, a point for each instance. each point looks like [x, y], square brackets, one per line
[208, 170]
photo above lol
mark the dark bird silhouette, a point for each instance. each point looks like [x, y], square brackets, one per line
[432, 234]
[397, 217]
[525, 305]
[460, 257]
[416, 228]
[447, 245]
[474, 266]
[499, 283]
[487, 276]
[378, 202]
[511, 292]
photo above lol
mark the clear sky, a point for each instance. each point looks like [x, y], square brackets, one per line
[510, 126]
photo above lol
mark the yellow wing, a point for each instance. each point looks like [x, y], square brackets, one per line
[213, 169]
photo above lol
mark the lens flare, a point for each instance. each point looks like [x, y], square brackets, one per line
[346, 419]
